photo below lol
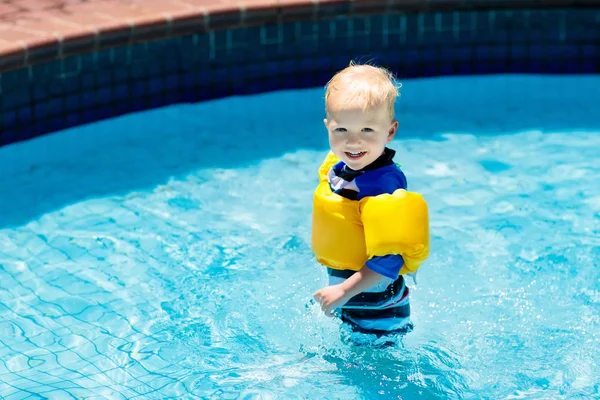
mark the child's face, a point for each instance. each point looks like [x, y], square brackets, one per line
[359, 137]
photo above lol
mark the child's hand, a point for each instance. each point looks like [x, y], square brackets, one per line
[330, 298]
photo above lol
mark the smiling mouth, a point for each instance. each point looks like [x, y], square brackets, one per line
[355, 156]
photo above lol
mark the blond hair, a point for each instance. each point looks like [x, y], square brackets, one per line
[364, 84]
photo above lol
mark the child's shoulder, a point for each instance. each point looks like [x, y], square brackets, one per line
[384, 180]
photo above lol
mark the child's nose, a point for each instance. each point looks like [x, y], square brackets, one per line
[353, 138]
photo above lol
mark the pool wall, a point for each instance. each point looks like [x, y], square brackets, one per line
[83, 66]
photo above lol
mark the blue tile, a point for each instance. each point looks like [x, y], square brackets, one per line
[308, 29]
[117, 75]
[105, 77]
[272, 68]
[47, 71]
[484, 52]
[204, 77]
[88, 99]
[155, 85]
[14, 99]
[589, 67]
[72, 102]
[17, 79]
[39, 92]
[24, 115]
[328, 46]
[360, 25]
[104, 112]
[271, 51]
[9, 118]
[570, 51]
[238, 73]
[172, 83]
[220, 91]
[171, 64]
[171, 98]
[252, 71]
[41, 110]
[377, 24]
[54, 124]
[557, 52]
[88, 115]
[137, 70]
[394, 21]
[153, 69]
[70, 65]
[143, 52]
[88, 62]
[396, 57]
[72, 119]
[120, 92]
[289, 32]
[536, 51]
[120, 56]
[188, 79]
[589, 51]
[220, 75]
[8, 136]
[519, 66]
[39, 128]
[102, 60]
[25, 132]
[88, 80]
[340, 62]
[571, 67]
[536, 66]
[361, 44]
[69, 84]
[271, 84]
[535, 36]
[447, 69]
[156, 101]
[288, 66]
[310, 47]
[138, 89]
[253, 87]
[268, 33]
[428, 69]
[323, 63]
[56, 106]
[518, 51]
[103, 95]
[411, 34]
[500, 37]
[463, 68]
[429, 55]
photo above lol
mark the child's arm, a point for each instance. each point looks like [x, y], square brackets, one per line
[335, 296]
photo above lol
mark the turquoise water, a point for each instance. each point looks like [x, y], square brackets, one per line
[166, 254]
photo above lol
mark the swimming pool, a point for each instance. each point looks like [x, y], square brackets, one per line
[166, 254]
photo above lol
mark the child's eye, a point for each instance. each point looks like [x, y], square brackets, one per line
[340, 129]
[367, 130]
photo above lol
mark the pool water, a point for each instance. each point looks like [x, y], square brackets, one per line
[166, 254]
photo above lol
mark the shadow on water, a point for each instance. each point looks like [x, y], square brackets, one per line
[144, 150]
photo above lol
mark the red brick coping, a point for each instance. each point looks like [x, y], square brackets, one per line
[35, 31]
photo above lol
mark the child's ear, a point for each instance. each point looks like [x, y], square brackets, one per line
[393, 130]
[325, 122]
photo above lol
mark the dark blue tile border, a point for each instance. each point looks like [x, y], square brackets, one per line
[85, 88]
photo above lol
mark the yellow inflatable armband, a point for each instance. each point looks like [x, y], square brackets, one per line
[329, 162]
[397, 224]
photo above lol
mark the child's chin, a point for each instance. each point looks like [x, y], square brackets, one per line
[356, 164]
